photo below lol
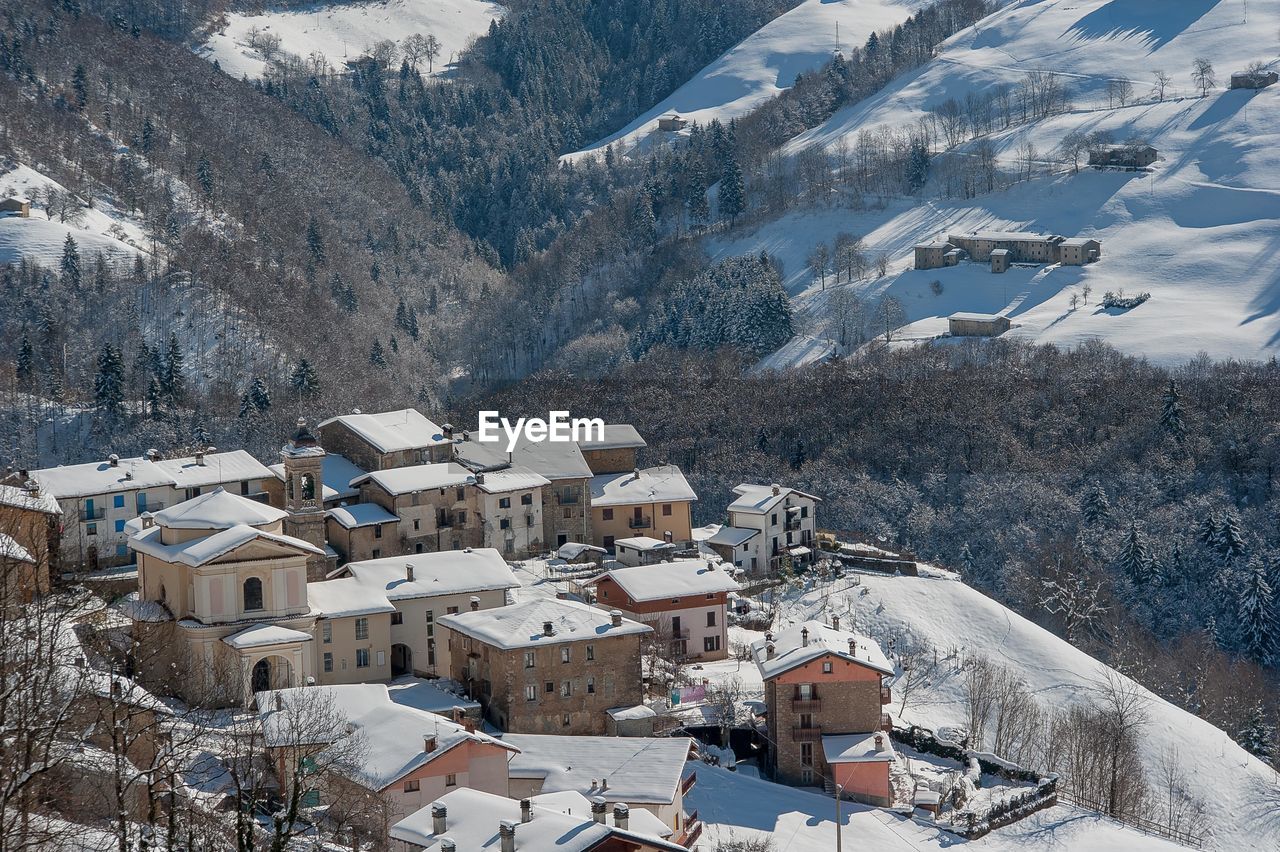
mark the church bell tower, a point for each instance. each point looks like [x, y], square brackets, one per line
[303, 498]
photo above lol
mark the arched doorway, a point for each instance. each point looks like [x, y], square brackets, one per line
[271, 673]
[401, 660]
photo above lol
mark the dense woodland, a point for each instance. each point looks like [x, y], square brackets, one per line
[1129, 508]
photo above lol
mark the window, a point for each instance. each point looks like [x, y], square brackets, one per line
[118, 501]
[591, 686]
[804, 691]
[504, 524]
[526, 499]
[451, 780]
[826, 667]
[666, 509]
[453, 610]
[608, 542]
[308, 487]
[122, 550]
[549, 687]
[504, 502]
[376, 553]
[711, 618]
[461, 520]
[431, 652]
[804, 511]
[568, 513]
[417, 548]
[565, 656]
[119, 526]
[806, 754]
[362, 628]
[328, 661]
[566, 688]
[362, 658]
[413, 785]
[460, 495]
[326, 631]
[382, 659]
[773, 519]
[531, 693]
[711, 643]
[377, 530]
[417, 524]
[91, 529]
[607, 514]
[244, 489]
[565, 720]
[252, 594]
[591, 652]
[530, 659]
[397, 617]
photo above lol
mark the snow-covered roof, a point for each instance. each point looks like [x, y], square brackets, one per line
[346, 597]
[640, 770]
[573, 803]
[643, 542]
[218, 509]
[974, 317]
[760, 499]
[261, 635]
[791, 651]
[574, 549]
[616, 436]
[520, 625]
[552, 459]
[392, 736]
[449, 572]
[21, 498]
[12, 551]
[418, 477]
[934, 245]
[336, 473]
[426, 695]
[198, 551]
[392, 431]
[663, 484]
[361, 515]
[732, 536]
[672, 580]
[1003, 236]
[87, 480]
[999, 252]
[1079, 242]
[514, 478]
[473, 819]
[857, 748]
[233, 466]
[631, 714]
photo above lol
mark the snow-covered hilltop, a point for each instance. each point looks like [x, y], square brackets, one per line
[1197, 230]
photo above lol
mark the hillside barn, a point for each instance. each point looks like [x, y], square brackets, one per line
[16, 206]
[1254, 79]
[965, 324]
[1123, 156]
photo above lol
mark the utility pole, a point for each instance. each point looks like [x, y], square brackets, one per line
[839, 794]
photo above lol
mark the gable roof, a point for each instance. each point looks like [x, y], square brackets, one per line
[448, 572]
[520, 625]
[664, 580]
[218, 509]
[21, 498]
[732, 536]
[514, 478]
[760, 499]
[662, 484]
[392, 431]
[232, 466]
[261, 635]
[552, 459]
[200, 551]
[361, 515]
[791, 651]
[346, 597]
[640, 770]
[418, 477]
[617, 436]
[644, 542]
[11, 550]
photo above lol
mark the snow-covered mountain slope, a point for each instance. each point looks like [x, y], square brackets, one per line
[101, 228]
[765, 63]
[1240, 794]
[345, 31]
[737, 805]
[1199, 231]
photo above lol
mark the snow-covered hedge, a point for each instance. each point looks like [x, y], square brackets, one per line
[1123, 302]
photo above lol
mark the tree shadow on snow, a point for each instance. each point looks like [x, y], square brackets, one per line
[1132, 19]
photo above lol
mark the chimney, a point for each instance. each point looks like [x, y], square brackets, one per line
[879, 741]
[604, 784]
[546, 629]
[770, 651]
[128, 473]
[768, 636]
[153, 455]
[711, 566]
[507, 831]
[636, 472]
[113, 460]
[466, 550]
[446, 431]
[200, 457]
[621, 815]
[447, 845]
[408, 572]
[480, 478]
[148, 520]
[33, 487]
[835, 622]
[355, 411]
[438, 814]
[615, 617]
[775, 488]
[526, 810]
[475, 603]
[853, 647]
[804, 637]
[597, 809]
[428, 743]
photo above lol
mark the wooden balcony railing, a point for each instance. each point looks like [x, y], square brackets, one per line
[806, 735]
[806, 705]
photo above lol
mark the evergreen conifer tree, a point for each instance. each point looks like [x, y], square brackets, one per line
[173, 378]
[377, 356]
[25, 368]
[1095, 507]
[108, 384]
[1134, 561]
[643, 222]
[315, 243]
[260, 394]
[1258, 736]
[69, 265]
[1257, 614]
[304, 380]
[155, 400]
[1171, 413]
[1230, 540]
[733, 192]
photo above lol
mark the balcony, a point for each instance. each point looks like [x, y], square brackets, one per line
[792, 524]
[886, 695]
[92, 514]
[806, 705]
[692, 831]
[686, 785]
[806, 735]
[640, 523]
[568, 499]
[886, 723]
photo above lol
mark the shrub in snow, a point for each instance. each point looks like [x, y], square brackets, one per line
[1122, 302]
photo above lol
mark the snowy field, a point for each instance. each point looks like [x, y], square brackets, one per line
[342, 32]
[102, 228]
[1199, 231]
[765, 63]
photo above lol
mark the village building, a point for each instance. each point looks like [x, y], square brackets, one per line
[465, 820]
[1077, 251]
[30, 523]
[547, 665]
[303, 468]
[642, 550]
[685, 602]
[786, 519]
[656, 502]
[968, 324]
[99, 498]
[566, 499]
[999, 260]
[400, 599]
[1254, 79]
[672, 122]
[336, 475]
[360, 531]
[615, 451]
[824, 690]
[735, 545]
[935, 255]
[16, 205]
[1134, 156]
[1021, 246]
[407, 757]
[234, 588]
[387, 440]
[645, 774]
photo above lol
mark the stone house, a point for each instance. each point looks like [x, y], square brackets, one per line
[387, 440]
[656, 501]
[362, 531]
[1077, 251]
[16, 206]
[1254, 79]
[615, 451]
[437, 504]
[547, 666]
[1123, 156]
[935, 255]
[968, 324]
[30, 524]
